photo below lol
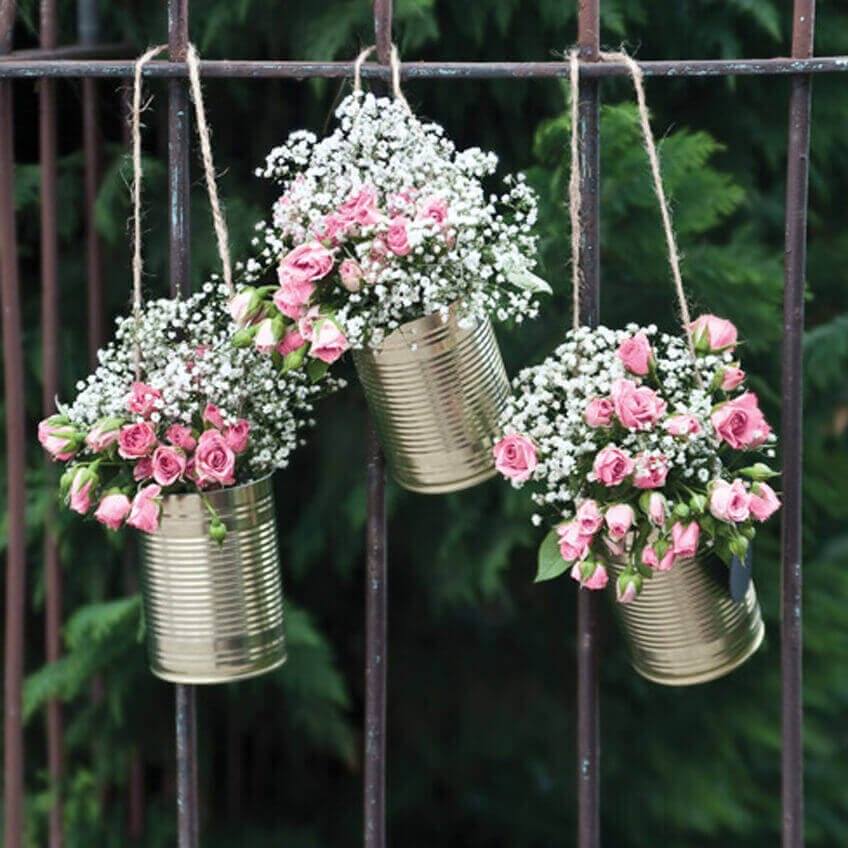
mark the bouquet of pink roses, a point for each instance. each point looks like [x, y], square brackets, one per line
[634, 457]
[174, 407]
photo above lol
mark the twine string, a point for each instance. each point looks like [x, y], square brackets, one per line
[394, 61]
[637, 76]
[203, 133]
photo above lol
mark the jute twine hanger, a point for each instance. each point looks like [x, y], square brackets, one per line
[394, 61]
[203, 132]
[575, 199]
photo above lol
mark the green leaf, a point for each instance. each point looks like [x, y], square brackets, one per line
[551, 563]
[527, 280]
[316, 369]
[295, 359]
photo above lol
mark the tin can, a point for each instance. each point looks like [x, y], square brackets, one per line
[685, 628]
[214, 614]
[436, 388]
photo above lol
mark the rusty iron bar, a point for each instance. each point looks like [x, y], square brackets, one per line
[48, 156]
[376, 576]
[588, 709]
[261, 69]
[88, 31]
[188, 827]
[13, 387]
[791, 633]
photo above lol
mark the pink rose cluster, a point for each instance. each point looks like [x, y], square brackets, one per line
[158, 457]
[293, 318]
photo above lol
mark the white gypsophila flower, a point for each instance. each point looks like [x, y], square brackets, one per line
[186, 353]
[458, 242]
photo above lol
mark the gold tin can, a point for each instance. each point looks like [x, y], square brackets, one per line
[214, 614]
[685, 628]
[436, 389]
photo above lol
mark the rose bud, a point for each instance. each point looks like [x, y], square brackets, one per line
[113, 509]
[628, 586]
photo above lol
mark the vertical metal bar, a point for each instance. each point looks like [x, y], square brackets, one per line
[588, 714]
[88, 31]
[797, 180]
[48, 25]
[13, 377]
[179, 184]
[178, 151]
[376, 582]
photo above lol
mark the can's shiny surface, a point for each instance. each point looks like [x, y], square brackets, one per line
[684, 628]
[436, 389]
[214, 614]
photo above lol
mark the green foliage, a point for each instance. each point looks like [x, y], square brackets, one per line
[481, 660]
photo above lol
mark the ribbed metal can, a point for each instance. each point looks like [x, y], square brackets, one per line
[436, 389]
[685, 628]
[214, 614]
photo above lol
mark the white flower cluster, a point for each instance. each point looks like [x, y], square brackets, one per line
[186, 353]
[550, 400]
[430, 234]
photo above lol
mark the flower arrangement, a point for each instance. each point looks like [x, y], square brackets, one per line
[174, 407]
[380, 223]
[632, 457]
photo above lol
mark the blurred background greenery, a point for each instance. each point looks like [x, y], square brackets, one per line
[481, 696]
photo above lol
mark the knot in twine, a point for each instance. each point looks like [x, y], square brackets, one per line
[574, 192]
[394, 61]
[203, 131]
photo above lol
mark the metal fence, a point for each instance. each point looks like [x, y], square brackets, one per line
[81, 61]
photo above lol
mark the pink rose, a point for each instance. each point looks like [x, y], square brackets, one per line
[292, 296]
[331, 229]
[112, 510]
[649, 472]
[740, 423]
[656, 509]
[290, 342]
[142, 399]
[598, 579]
[265, 339]
[239, 308]
[350, 273]
[573, 545]
[144, 514]
[58, 438]
[685, 539]
[306, 325]
[329, 343]
[588, 517]
[213, 415]
[81, 491]
[361, 208]
[103, 434]
[136, 440]
[682, 425]
[599, 412]
[764, 502]
[435, 209]
[649, 558]
[636, 354]
[614, 546]
[637, 407]
[628, 593]
[515, 457]
[731, 377]
[214, 459]
[238, 435]
[168, 465]
[143, 469]
[619, 519]
[396, 237]
[713, 333]
[730, 501]
[612, 465]
[181, 437]
[305, 264]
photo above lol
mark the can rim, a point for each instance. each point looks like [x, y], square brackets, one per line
[226, 489]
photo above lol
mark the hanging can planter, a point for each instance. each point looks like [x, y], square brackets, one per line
[214, 614]
[436, 388]
[685, 627]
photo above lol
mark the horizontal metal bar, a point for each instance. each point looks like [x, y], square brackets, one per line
[71, 51]
[426, 70]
